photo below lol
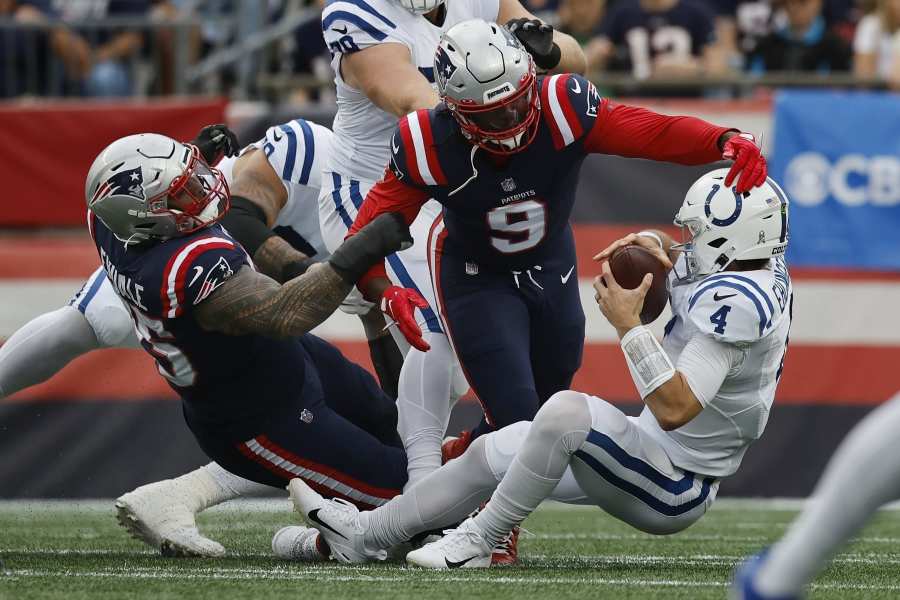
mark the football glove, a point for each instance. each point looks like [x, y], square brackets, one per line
[537, 37]
[749, 166]
[216, 142]
[399, 304]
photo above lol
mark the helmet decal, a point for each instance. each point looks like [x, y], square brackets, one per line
[129, 182]
[443, 67]
[738, 200]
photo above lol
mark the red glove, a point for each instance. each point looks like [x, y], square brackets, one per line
[399, 304]
[748, 162]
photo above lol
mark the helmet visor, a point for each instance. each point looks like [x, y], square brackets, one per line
[504, 117]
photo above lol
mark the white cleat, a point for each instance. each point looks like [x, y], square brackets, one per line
[463, 547]
[296, 542]
[338, 523]
[161, 515]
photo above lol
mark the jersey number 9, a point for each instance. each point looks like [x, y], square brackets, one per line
[517, 227]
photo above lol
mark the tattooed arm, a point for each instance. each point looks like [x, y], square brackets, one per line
[257, 196]
[250, 302]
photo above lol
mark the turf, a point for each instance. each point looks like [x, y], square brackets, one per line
[76, 550]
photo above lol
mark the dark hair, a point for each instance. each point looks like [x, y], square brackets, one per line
[748, 265]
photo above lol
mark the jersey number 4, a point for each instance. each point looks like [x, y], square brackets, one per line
[517, 227]
[718, 318]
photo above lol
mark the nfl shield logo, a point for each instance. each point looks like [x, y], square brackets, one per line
[508, 184]
[306, 416]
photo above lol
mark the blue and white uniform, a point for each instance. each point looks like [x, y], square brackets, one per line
[362, 131]
[297, 151]
[728, 337]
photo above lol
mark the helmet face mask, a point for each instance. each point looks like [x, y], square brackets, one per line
[487, 80]
[151, 187]
[720, 226]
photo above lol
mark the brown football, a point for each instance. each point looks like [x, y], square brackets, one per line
[629, 264]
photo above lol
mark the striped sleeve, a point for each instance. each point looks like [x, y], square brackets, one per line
[414, 157]
[352, 25]
[195, 270]
[291, 150]
[570, 103]
[732, 307]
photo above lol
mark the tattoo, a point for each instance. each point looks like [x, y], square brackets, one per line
[251, 302]
[274, 255]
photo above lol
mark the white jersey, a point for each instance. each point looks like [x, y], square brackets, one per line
[297, 151]
[751, 312]
[362, 130]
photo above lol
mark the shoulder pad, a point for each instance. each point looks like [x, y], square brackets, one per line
[291, 150]
[352, 25]
[414, 155]
[732, 308]
[570, 103]
[196, 268]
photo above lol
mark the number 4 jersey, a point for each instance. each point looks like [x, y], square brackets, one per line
[510, 213]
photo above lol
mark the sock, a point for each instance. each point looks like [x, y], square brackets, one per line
[42, 347]
[863, 474]
[424, 404]
[558, 430]
[233, 486]
[443, 498]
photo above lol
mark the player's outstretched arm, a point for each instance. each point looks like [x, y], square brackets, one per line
[553, 51]
[250, 302]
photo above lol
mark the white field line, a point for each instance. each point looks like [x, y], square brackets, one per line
[419, 576]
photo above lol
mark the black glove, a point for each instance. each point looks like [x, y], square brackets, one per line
[386, 234]
[216, 141]
[537, 37]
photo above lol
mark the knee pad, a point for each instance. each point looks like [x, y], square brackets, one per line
[112, 325]
[564, 413]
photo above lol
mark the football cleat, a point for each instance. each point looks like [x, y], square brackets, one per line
[338, 523]
[296, 542]
[743, 587]
[161, 515]
[463, 547]
[453, 447]
[506, 552]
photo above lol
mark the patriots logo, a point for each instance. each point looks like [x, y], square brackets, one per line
[593, 100]
[128, 183]
[443, 66]
[214, 278]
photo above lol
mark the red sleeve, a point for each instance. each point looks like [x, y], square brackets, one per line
[388, 195]
[640, 133]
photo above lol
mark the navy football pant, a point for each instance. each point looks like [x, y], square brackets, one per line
[343, 442]
[519, 338]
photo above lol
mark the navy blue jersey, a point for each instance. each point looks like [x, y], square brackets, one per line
[510, 213]
[230, 382]
[682, 31]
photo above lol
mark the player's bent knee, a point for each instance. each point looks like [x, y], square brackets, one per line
[113, 327]
[563, 412]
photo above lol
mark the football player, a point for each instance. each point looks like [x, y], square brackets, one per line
[383, 61]
[502, 154]
[707, 389]
[868, 457]
[263, 398]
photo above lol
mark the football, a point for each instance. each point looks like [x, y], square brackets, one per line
[629, 264]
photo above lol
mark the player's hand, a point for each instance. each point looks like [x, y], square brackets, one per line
[749, 166]
[216, 142]
[537, 37]
[633, 239]
[399, 304]
[621, 307]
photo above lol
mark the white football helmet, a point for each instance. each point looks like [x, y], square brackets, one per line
[724, 226]
[149, 186]
[420, 7]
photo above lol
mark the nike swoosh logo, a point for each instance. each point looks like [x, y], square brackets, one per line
[717, 297]
[314, 516]
[276, 136]
[455, 565]
[577, 88]
[198, 273]
[565, 278]
[340, 31]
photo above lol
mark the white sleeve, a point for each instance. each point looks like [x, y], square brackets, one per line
[352, 25]
[489, 10]
[867, 33]
[704, 363]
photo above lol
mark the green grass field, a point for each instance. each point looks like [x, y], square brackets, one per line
[76, 550]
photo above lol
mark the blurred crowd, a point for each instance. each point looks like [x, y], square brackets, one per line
[124, 47]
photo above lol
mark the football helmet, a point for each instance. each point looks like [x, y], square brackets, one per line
[420, 7]
[720, 225]
[487, 80]
[149, 186]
